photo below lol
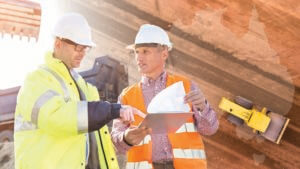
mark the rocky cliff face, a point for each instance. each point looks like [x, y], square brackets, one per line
[263, 33]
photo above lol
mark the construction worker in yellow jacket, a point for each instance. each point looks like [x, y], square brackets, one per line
[183, 149]
[59, 120]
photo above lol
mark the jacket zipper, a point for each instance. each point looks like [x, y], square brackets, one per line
[102, 148]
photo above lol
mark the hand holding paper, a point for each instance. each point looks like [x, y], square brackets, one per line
[197, 98]
[167, 110]
[134, 135]
[171, 100]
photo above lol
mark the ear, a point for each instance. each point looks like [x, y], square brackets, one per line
[57, 43]
[165, 54]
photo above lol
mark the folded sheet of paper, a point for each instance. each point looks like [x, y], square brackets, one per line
[169, 100]
[167, 111]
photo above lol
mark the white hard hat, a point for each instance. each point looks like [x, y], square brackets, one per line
[148, 34]
[74, 27]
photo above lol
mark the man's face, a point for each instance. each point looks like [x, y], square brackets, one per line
[151, 60]
[71, 53]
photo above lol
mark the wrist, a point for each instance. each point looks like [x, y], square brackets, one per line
[124, 139]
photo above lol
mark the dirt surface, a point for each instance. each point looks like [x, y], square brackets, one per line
[7, 155]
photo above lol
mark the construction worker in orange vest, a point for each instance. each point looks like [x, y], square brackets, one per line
[181, 150]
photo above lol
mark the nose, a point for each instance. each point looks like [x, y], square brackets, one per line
[81, 54]
[138, 57]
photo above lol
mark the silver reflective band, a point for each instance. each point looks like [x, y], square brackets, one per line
[39, 103]
[21, 125]
[87, 146]
[76, 76]
[187, 127]
[189, 153]
[146, 140]
[82, 117]
[139, 165]
[60, 80]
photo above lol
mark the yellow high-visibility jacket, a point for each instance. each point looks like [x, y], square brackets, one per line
[51, 121]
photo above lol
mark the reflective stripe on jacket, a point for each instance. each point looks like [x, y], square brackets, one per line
[51, 121]
[187, 145]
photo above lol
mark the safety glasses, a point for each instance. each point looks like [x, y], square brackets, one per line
[78, 48]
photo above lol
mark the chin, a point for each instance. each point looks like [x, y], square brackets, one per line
[140, 70]
[76, 66]
[143, 70]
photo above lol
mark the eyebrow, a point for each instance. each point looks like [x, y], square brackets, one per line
[146, 45]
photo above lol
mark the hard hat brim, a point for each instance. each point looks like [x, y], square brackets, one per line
[83, 43]
[86, 43]
[133, 46]
[91, 44]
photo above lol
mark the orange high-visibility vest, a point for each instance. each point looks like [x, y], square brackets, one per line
[187, 145]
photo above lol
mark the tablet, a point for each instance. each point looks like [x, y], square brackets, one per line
[163, 123]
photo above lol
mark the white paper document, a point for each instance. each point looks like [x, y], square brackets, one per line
[171, 99]
[167, 111]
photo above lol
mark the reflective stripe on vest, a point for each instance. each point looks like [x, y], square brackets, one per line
[22, 125]
[139, 165]
[82, 116]
[82, 113]
[39, 103]
[189, 153]
[76, 76]
[187, 127]
[146, 140]
[60, 80]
